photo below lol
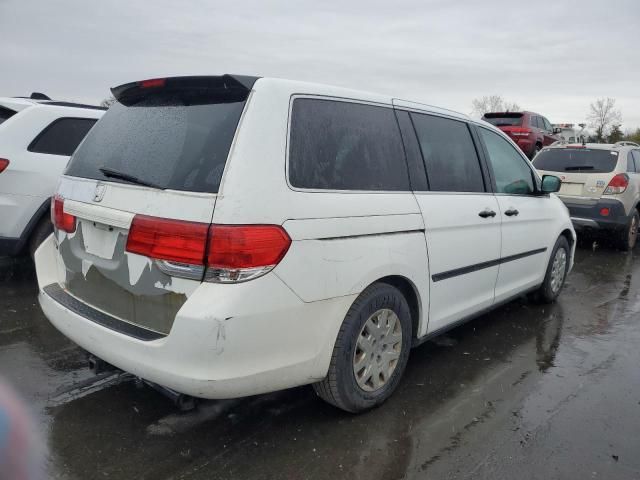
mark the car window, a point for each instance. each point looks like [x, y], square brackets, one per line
[505, 119]
[534, 121]
[5, 114]
[636, 159]
[339, 145]
[547, 125]
[576, 159]
[631, 168]
[178, 140]
[511, 172]
[449, 154]
[62, 136]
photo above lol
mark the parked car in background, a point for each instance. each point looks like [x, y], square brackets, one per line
[530, 131]
[37, 136]
[600, 186]
[227, 236]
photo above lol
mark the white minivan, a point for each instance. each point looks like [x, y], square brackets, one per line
[225, 236]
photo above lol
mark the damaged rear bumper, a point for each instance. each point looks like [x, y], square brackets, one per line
[227, 340]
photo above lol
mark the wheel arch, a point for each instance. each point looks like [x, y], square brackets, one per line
[410, 293]
[36, 218]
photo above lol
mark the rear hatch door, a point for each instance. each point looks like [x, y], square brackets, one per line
[155, 159]
[585, 172]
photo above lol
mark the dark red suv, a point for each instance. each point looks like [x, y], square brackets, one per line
[530, 131]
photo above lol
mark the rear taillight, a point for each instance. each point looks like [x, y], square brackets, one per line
[618, 184]
[229, 253]
[152, 83]
[243, 252]
[520, 131]
[163, 239]
[4, 163]
[60, 219]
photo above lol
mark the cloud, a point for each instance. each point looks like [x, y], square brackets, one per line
[554, 59]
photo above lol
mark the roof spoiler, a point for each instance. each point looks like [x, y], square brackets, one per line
[193, 90]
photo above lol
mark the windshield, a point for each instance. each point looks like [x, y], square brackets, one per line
[503, 119]
[161, 141]
[576, 160]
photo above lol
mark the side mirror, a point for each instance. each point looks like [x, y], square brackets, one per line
[550, 184]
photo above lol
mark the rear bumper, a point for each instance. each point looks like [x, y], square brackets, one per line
[226, 341]
[588, 216]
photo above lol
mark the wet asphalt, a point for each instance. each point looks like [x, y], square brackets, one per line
[526, 392]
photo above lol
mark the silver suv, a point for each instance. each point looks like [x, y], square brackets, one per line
[600, 185]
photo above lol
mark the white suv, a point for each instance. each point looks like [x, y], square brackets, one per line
[228, 236]
[37, 136]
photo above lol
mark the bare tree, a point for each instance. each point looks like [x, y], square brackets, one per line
[107, 102]
[492, 103]
[603, 115]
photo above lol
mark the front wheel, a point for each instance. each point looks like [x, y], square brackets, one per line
[371, 351]
[556, 272]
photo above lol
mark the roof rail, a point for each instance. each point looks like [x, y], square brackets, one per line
[626, 143]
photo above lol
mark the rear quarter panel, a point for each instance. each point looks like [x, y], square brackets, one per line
[342, 241]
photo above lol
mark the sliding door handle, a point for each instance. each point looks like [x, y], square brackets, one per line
[486, 213]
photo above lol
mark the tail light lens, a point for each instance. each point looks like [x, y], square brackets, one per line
[60, 219]
[520, 131]
[4, 163]
[242, 252]
[217, 253]
[618, 184]
[163, 239]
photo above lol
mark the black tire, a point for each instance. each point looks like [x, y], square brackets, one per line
[340, 387]
[42, 230]
[628, 236]
[535, 151]
[547, 293]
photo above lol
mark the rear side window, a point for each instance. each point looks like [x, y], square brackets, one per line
[636, 159]
[533, 122]
[576, 160]
[449, 154]
[166, 141]
[345, 146]
[6, 114]
[62, 136]
[503, 119]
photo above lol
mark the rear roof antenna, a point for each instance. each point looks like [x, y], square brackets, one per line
[39, 96]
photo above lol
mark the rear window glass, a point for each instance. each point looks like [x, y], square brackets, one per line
[161, 141]
[345, 146]
[62, 136]
[576, 160]
[503, 119]
[5, 114]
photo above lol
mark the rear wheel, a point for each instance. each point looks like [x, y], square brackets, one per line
[371, 351]
[41, 231]
[628, 237]
[556, 272]
[535, 151]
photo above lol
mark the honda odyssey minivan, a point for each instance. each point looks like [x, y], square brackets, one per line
[226, 236]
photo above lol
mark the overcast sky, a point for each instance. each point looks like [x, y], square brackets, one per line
[553, 57]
